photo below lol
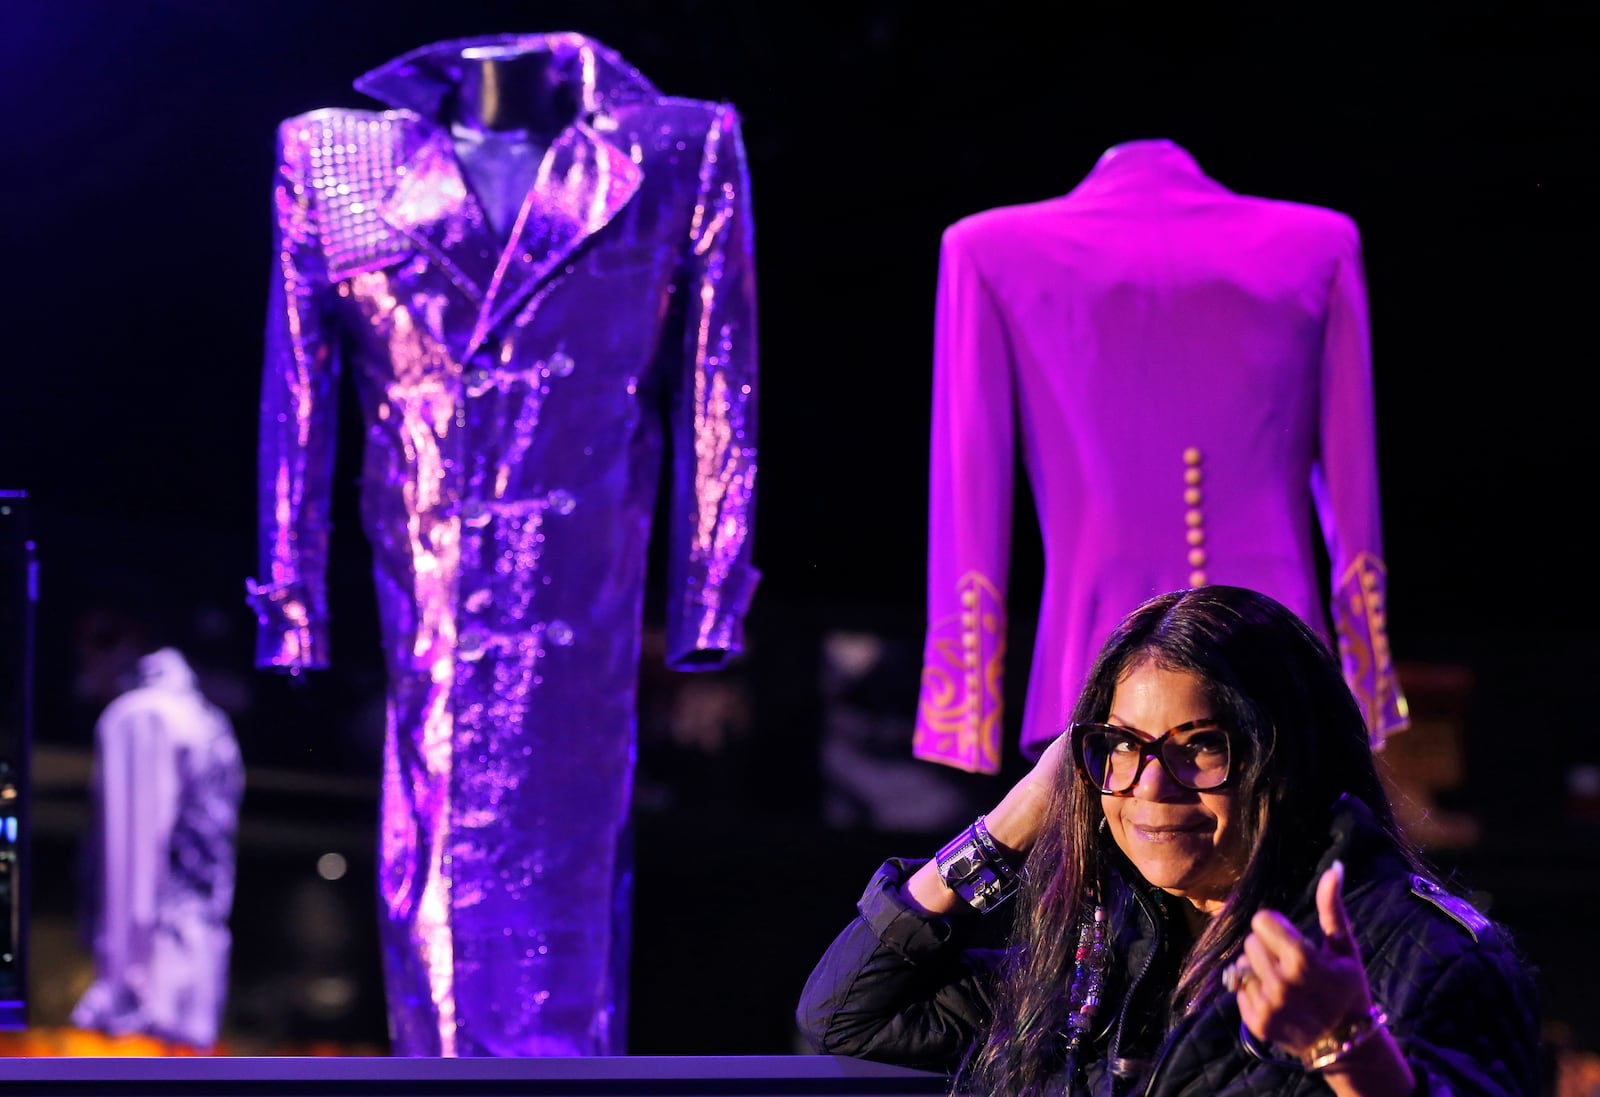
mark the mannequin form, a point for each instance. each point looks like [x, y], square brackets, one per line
[511, 104]
[515, 88]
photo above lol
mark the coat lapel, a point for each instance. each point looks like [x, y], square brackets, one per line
[582, 182]
[433, 205]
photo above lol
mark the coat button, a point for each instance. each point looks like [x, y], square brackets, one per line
[471, 643]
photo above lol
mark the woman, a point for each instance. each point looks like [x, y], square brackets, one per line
[1213, 899]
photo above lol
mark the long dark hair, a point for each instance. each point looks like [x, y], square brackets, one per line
[1276, 683]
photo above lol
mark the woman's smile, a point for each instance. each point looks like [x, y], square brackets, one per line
[1170, 832]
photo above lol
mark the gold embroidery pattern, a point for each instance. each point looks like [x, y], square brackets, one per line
[960, 709]
[1360, 618]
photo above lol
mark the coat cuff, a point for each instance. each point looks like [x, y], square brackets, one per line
[1361, 622]
[290, 635]
[900, 926]
[710, 630]
[959, 711]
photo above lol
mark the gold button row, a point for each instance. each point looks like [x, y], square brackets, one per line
[1194, 517]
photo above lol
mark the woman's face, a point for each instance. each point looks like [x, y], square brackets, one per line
[1184, 842]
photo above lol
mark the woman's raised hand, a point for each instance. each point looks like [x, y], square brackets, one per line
[1016, 820]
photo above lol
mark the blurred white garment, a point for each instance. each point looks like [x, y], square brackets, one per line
[167, 785]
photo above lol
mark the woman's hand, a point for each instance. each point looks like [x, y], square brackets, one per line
[1295, 991]
[1014, 823]
[1016, 820]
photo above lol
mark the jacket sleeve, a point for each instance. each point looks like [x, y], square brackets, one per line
[297, 437]
[711, 578]
[1345, 487]
[897, 985]
[971, 470]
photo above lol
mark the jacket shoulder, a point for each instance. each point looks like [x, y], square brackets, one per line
[999, 222]
[1333, 229]
[1411, 905]
[673, 118]
[347, 162]
[686, 105]
[1476, 924]
[355, 148]
[1418, 932]
[347, 124]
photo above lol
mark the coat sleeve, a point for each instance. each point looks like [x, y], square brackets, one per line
[971, 470]
[1345, 488]
[711, 577]
[896, 986]
[297, 437]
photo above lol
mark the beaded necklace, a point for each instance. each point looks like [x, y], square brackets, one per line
[1088, 974]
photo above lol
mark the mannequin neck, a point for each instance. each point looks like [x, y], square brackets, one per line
[507, 89]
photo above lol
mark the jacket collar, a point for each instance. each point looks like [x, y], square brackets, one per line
[582, 181]
[1354, 838]
[423, 80]
[1146, 163]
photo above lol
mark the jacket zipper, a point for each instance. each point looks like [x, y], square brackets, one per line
[1133, 985]
[1170, 1039]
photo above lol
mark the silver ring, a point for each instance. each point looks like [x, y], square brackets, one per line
[1234, 975]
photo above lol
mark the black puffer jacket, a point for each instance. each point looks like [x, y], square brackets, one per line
[901, 987]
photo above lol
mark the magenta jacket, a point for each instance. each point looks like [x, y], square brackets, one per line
[1187, 375]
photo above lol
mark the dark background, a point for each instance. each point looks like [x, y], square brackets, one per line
[1462, 139]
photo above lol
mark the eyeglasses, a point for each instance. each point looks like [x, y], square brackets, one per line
[1197, 755]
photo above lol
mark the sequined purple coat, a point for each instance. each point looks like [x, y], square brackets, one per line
[520, 398]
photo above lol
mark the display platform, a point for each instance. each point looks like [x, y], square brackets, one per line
[633, 1076]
